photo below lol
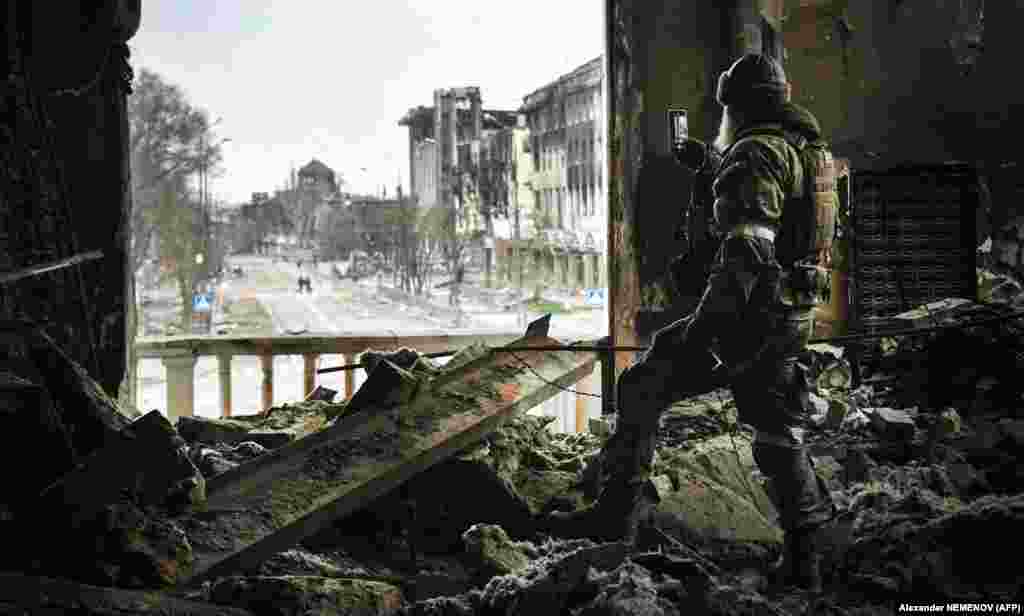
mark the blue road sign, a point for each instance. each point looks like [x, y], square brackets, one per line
[202, 302]
[594, 297]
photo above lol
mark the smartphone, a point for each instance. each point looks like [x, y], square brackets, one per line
[678, 128]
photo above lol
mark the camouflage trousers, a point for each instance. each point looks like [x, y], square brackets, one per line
[758, 340]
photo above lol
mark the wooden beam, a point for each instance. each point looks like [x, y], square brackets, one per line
[292, 492]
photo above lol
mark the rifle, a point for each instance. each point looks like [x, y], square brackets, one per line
[695, 228]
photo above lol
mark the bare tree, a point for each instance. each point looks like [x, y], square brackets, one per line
[169, 139]
[178, 218]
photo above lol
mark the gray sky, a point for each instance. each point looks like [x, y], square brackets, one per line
[294, 79]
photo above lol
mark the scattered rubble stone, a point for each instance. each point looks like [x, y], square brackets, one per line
[298, 419]
[893, 424]
[230, 431]
[492, 552]
[548, 584]
[949, 423]
[159, 467]
[600, 427]
[212, 460]
[629, 589]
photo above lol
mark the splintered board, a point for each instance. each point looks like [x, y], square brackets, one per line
[275, 501]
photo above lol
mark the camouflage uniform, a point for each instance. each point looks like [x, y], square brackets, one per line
[757, 324]
[755, 314]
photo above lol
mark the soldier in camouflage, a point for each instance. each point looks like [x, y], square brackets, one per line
[757, 316]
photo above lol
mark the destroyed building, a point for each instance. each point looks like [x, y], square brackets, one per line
[416, 494]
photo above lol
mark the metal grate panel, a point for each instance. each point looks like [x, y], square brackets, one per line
[913, 241]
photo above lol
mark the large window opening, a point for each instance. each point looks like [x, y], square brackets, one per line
[291, 182]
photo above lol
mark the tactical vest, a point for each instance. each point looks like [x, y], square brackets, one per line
[803, 246]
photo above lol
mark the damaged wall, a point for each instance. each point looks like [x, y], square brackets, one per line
[65, 187]
[661, 55]
[891, 82]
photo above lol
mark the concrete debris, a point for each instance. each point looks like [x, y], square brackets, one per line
[301, 595]
[998, 288]
[819, 409]
[315, 507]
[713, 496]
[549, 586]
[948, 423]
[600, 427]
[892, 424]
[302, 488]
[212, 460]
[835, 375]
[936, 313]
[630, 589]
[491, 552]
[233, 431]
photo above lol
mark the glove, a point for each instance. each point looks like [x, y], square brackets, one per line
[692, 154]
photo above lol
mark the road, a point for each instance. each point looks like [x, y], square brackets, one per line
[335, 307]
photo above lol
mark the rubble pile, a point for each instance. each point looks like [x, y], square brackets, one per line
[923, 491]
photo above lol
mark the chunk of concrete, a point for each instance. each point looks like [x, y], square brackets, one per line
[229, 431]
[552, 585]
[491, 552]
[893, 424]
[150, 464]
[599, 426]
[703, 509]
[948, 423]
[819, 409]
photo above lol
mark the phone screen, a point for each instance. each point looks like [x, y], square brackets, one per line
[679, 129]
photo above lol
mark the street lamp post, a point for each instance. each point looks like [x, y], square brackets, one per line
[204, 183]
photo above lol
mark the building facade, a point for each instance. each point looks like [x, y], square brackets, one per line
[566, 123]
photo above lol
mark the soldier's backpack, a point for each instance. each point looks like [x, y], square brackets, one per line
[803, 246]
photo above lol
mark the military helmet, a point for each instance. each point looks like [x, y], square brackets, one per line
[754, 79]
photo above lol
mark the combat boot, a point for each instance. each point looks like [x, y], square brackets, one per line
[800, 563]
[615, 516]
[806, 567]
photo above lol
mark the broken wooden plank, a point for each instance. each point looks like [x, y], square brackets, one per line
[42, 268]
[26, 594]
[277, 500]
